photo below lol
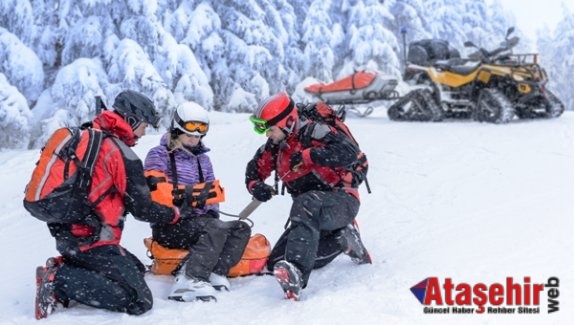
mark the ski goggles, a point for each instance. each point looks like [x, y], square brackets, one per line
[192, 126]
[195, 126]
[260, 126]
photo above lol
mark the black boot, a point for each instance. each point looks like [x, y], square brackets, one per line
[289, 278]
[351, 244]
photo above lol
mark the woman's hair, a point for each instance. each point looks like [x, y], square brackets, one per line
[173, 143]
[173, 140]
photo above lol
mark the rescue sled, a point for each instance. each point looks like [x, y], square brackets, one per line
[362, 87]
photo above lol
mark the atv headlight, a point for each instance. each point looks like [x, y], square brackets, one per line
[524, 88]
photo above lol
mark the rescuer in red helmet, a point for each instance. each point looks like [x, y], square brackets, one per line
[311, 158]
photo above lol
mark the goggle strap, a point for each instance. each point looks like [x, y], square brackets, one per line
[179, 121]
[282, 115]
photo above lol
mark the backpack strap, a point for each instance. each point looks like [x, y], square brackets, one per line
[68, 152]
[94, 144]
[95, 140]
[306, 135]
[177, 195]
[173, 169]
[200, 171]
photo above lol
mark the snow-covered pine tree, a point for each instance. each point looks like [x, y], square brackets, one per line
[21, 66]
[370, 42]
[17, 17]
[14, 117]
[318, 36]
[411, 20]
[499, 20]
[189, 55]
[255, 38]
[70, 101]
[558, 59]
[445, 20]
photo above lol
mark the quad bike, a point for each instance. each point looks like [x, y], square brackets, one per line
[362, 87]
[490, 86]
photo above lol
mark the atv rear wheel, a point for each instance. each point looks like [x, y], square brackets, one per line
[396, 112]
[493, 107]
[417, 105]
[432, 106]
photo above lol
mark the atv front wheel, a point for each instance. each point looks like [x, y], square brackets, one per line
[493, 107]
[554, 107]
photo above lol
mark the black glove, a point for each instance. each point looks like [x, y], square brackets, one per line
[295, 161]
[211, 214]
[66, 243]
[185, 212]
[262, 192]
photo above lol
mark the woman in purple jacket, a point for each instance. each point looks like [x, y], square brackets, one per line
[215, 245]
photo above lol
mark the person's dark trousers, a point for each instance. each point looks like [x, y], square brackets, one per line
[314, 215]
[329, 248]
[107, 277]
[215, 245]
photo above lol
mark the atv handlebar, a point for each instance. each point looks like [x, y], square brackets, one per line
[495, 55]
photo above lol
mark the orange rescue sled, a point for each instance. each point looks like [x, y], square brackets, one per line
[253, 260]
[359, 88]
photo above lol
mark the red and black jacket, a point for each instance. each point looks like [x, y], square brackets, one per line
[118, 187]
[327, 156]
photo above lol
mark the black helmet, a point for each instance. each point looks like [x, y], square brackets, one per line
[136, 108]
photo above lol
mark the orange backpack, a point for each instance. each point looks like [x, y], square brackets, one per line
[254, 259]
[60, 183]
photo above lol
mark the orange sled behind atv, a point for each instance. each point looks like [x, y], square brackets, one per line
[361, 87]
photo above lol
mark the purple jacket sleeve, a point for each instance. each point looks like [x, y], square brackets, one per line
[157, 159]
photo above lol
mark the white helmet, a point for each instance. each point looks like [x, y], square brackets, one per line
[190, 118]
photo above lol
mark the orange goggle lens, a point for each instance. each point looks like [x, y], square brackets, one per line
[195, 126]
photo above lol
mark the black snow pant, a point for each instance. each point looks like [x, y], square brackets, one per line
[215, 245]
[328, 249]
[309, 242]
[107, 277]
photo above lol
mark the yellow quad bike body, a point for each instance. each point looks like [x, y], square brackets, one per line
[488, 86]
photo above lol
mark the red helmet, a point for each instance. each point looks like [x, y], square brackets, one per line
[278, 110]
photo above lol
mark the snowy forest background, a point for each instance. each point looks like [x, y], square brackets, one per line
[57, 55]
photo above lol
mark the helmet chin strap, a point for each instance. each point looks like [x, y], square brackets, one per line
[289, 126]
[133, 122]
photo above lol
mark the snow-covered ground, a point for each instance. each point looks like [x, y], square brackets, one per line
[473, 202]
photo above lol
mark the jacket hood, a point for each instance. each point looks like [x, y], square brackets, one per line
[115, 125]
